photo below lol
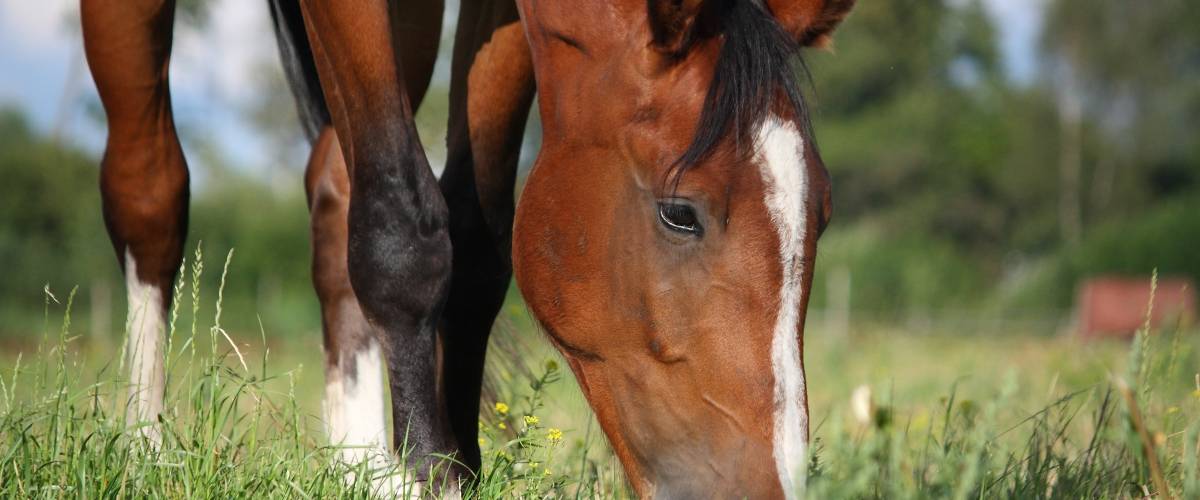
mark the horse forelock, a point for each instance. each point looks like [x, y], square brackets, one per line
[758, 72]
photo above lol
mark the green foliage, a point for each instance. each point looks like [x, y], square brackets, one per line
[932, 147]
[268, 226]
[1166, 238]
[52, 233]
[893, 273]
[51, 228]
[907, 114]
[1133, 67]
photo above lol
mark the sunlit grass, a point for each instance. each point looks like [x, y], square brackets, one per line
[235, 426]
[951, 415]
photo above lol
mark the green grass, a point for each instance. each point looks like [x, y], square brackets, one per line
[953, 415]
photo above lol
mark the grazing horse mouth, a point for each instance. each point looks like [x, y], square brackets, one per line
[391, 232]
[606, 96]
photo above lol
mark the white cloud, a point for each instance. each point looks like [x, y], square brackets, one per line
[37, 25]
[225, 55]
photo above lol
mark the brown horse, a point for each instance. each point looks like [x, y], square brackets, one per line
[381, 229]
[665, 238]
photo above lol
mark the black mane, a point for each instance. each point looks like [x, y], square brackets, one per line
[758, 63]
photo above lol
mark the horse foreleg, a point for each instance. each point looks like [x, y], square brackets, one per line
[398, 246]
[143, 176]
[354, 405]
[491, 91]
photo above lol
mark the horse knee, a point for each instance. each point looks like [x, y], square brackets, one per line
[400, 268]
[145, 198]
[327, 186]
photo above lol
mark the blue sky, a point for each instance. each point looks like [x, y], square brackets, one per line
[212, 72]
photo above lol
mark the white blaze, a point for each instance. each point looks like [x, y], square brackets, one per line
[786, 180]
[144, 348]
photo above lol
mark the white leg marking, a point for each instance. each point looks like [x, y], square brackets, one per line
[143, 348]
[786, 180]
[354, 419]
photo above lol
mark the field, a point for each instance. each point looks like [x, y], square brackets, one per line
[942, 414]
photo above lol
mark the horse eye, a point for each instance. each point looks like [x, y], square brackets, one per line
[680, 218]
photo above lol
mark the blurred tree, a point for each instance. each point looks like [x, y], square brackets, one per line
[1128, 72]
[267, 227]
[911, 119]
[52, 233]
[936, 154]
[51, 230]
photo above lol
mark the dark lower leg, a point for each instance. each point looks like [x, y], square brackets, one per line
[398, 246]
[491, 91]
[477, 292]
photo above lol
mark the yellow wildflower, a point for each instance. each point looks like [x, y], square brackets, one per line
[501, 408]
[501, 425]
[482, 441]
[531, 420]
[547, 471]
[554, 435]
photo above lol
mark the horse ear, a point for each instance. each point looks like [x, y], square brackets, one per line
[811, 21]
[673, 22]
